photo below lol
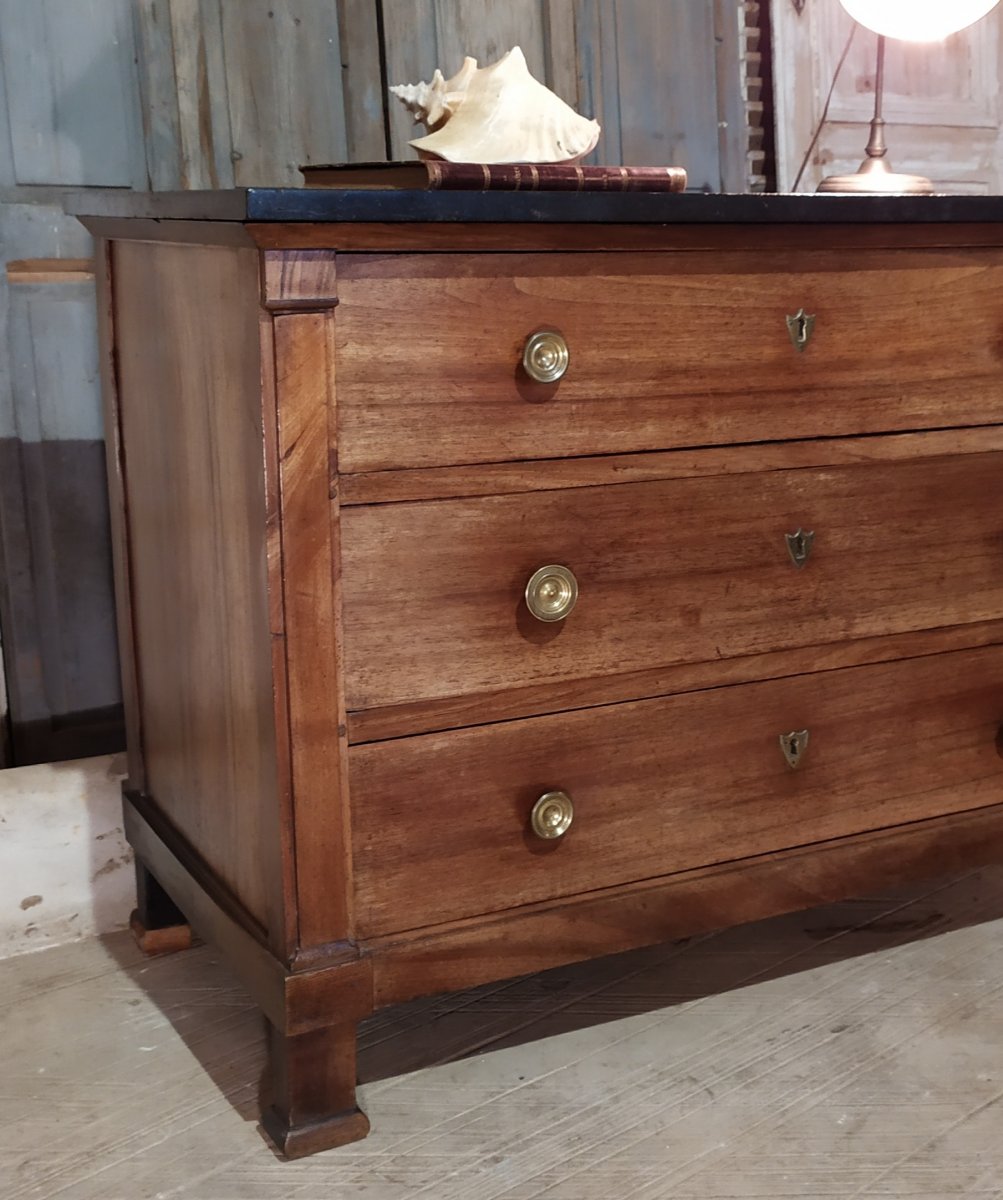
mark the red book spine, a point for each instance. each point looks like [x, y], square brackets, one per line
[552, 177]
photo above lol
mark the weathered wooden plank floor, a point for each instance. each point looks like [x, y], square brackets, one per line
[854, 1051]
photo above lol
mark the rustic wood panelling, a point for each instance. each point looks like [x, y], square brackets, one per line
[631, 66]
[69, 116]
[658, 77]
[71, 92]
[285, 95]
[365, 134]
[202, 94]
[411, 53]
[155, 60]
[560, 50]
[668, 115]
[421, 35]
[598, 74]
[186, 119]
[245, 91]
[226, 92]
[56, 606]
[7, 179]
[487, 31]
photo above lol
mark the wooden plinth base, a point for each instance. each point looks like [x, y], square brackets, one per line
[301, 1140]
[168, 940]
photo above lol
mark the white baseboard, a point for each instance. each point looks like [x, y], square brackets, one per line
[65, 867]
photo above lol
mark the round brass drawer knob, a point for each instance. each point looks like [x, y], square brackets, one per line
[552, 815]
[546, 356]
[551, 593]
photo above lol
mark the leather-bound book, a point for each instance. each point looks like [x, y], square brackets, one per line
[507, 177]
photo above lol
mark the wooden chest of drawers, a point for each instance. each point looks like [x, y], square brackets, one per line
[449, 659]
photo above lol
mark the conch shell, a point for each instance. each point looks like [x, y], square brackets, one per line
[496, 114]
[434, 103]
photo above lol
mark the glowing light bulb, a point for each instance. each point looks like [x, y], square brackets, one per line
[917, 20]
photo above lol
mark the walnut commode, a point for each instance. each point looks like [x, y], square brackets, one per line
[505, 581]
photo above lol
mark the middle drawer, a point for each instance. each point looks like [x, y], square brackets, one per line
[668, 572]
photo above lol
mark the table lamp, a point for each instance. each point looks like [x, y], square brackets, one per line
[908, 20]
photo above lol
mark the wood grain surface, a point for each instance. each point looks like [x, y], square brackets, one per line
[669, 572]
[441, 822]
[302, 279]
[544, 236]
[308, 1102]
[118, 511]
[404, 720]
[189, 392]
[499, 479]
[687, 904]
[333, 483]
[684, 349]
[304, 363]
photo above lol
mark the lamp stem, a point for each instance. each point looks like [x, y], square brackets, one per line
[876, 147]
[875, 175]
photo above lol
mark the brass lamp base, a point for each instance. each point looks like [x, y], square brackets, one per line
[876, 178]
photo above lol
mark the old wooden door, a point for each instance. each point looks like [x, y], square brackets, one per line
[942, 101]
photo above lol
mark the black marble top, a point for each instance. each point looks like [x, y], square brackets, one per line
[647, 208]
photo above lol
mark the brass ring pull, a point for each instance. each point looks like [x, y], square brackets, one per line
[552, 815]
[800, 327]
[546, 356]
[551, 593]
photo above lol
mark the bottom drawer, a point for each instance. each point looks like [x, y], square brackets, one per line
[442, 823]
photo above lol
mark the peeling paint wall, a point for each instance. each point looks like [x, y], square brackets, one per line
[65, 868]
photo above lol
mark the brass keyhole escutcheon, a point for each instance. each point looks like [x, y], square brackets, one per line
[794, 746]
[799, 546]
[552, 592]
[800, 327]
[552, 815]
[546, 356]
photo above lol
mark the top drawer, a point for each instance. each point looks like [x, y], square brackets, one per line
[670, 349]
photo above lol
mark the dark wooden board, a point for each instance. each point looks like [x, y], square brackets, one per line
[392, 205]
